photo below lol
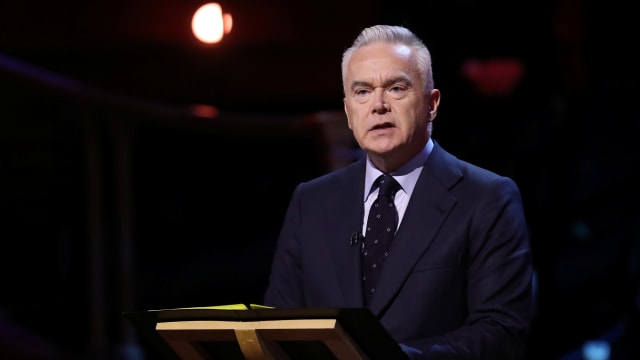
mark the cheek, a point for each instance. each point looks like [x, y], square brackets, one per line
[356, 128]
[354, 117]
[349, 123]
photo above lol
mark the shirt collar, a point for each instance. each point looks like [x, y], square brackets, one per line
[407, 175]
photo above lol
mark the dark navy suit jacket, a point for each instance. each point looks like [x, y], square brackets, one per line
[458, 282]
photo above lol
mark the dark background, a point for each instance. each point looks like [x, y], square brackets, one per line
[116, 194]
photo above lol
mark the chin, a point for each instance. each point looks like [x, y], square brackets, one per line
[382, 149]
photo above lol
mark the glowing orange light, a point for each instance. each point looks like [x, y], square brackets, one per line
[228, 23]
[204, 111]
[209, 24]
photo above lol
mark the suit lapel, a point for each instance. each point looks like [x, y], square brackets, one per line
[428, 207]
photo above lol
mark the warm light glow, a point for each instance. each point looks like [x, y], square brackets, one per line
[228, 23]
[209, 24]
[204, 111]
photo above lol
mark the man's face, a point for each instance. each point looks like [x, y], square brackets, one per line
[386, 106]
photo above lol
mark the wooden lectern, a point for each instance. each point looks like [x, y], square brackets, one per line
[266, 334]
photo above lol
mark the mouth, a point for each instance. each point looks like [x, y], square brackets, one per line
[381, 126]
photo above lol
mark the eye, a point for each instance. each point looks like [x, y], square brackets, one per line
[361, 94]
[397, 91]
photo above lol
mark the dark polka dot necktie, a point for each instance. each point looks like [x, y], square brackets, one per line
[381, 228]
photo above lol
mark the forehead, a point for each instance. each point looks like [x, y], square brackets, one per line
[382, 57]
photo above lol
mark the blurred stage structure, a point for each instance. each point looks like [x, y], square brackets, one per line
[122, 161]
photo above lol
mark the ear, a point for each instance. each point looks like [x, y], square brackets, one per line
[346, 111]
[434, 103]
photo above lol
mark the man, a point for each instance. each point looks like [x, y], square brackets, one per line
[456, 281]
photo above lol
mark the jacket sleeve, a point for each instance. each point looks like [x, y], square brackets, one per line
[285, 281]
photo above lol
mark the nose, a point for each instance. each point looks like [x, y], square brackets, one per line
[380, 106]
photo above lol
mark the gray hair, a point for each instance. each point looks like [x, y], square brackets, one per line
[393, 34]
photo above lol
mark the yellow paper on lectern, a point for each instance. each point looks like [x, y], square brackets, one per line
[225, 307]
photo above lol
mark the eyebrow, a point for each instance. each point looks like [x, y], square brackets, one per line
[394, 80]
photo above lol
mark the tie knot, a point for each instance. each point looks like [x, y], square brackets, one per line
[387, 185]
